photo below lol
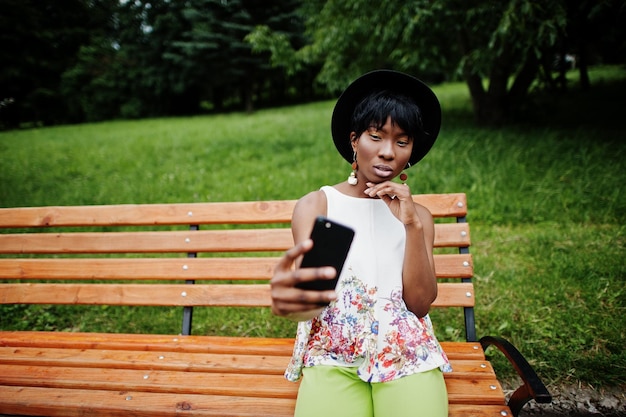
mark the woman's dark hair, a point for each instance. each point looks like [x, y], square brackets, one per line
[374, 110]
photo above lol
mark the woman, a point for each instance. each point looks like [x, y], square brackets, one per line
[371, 350]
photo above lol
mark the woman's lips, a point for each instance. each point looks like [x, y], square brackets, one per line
[383, 171]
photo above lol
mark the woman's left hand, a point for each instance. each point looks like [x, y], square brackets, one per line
[397, 197]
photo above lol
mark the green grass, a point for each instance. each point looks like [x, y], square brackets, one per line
[546, 199]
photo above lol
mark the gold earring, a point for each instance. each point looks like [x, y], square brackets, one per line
[352, 179]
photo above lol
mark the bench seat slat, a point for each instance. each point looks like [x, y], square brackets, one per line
[460, 390]
[186, 362]
[150, 342]
[273, 386]
[75, 403]
[61, 402]
[238, 295]
[187, 344]
[259, 268]
[164, 361]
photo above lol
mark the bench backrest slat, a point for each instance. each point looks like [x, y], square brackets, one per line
[252, 212]
[180, 295]
[149, 214]
[249, 240]
[247, 268]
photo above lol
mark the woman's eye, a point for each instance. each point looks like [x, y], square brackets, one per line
[374, 136]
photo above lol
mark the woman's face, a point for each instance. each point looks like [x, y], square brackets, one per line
[382, 153]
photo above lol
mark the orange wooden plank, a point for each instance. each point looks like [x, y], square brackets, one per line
[189, 344]
[35, 401]
[454, 266]
[244, 385]
[460, 390]
[443, 205]
[248, 295]
[153, 360]
[186, 362]
[246, 268]
[149, 342]
[199, 295]
[149, 214]
[478, 410]
[440, 205]
[248, 240]
[475, 391]
[261, 240]
[140, 268]
[449, 235]
[455, 295]
[78, 403]
[463, 350]
[470, 369]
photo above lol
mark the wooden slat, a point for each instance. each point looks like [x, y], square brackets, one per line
[137, 294]
[463, 350]
[149, 242]
[61, 402]
[187, 344]
[460, 390]
[257, 212]
[455, 295]
[187, 362]
[199, 295]
[454, 266]
[140, 268]
[78, 403]
[452, 235]
[249, 240]
[446, 266]
[478, 410]
[272, 386]
[153, 342]
[443, 205]
[162, 361]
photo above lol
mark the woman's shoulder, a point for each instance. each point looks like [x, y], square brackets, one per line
[314, 201]
[423, 212]
[306, 210]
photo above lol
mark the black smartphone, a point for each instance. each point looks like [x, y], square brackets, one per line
[331, 243]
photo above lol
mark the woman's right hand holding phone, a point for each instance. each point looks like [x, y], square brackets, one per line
[292, 302]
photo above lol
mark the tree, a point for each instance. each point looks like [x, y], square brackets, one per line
[39, 40]
[500, 41]
[216, 55]
[175, 58]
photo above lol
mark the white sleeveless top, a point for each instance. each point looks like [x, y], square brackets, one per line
[368, 326]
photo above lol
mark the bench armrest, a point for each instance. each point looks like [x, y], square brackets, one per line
[533, 387]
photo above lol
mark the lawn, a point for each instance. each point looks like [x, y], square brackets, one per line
[546, 199]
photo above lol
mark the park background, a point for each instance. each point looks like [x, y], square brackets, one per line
[106, 102]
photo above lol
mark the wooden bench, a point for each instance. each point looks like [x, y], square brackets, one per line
[182, 255]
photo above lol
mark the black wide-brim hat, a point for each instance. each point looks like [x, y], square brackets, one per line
[393, 81]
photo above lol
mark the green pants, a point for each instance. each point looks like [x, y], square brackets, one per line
[330, 391]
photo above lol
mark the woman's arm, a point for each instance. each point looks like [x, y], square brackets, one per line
[419, 283]
[418, 273]
[288, 300]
